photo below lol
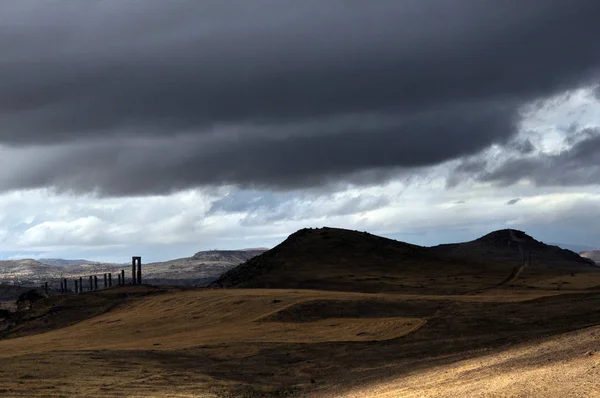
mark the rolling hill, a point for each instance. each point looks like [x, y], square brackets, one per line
[338, 259]
[502, 247]
[145, 341]
[62, 262]
[30, 272]
[360, 316]
[198, 270]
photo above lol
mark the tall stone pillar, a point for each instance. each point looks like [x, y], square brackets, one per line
[133, 273]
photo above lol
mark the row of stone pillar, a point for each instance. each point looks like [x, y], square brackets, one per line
[136, 278]
[92, 284]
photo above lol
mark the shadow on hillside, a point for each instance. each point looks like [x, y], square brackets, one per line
[63, 310]
[454, 331]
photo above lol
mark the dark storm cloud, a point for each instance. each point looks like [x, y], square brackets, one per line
[140, 166]
[576, 165]
[273, 93]
[522, 146]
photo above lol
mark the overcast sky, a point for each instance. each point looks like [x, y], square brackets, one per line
[161, 128]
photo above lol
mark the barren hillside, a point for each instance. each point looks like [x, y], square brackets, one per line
[199, 269]
[346, 314]
[337, 259]
[502, 247]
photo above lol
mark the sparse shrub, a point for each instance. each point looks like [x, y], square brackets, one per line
[5, 314]
[26, 299]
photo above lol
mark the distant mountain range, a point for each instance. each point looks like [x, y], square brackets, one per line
[200, 269]
[228, 256]
[593, 255]
[574, 248]
[59, 262]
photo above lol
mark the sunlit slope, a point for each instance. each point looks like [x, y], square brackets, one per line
[187, 319]
[567, 365]
[306, 343]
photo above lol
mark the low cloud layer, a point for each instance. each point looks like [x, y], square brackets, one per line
[145, 97]
[37, 223]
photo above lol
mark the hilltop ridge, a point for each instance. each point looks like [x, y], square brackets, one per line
[322, 258]
[63, 262]
[198, 270]
[339, 259]
[229, 256]
[502, 246]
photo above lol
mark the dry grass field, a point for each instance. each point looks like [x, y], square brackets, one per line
[382, 319]
[259, 342]
[563, 366]
[192, 318]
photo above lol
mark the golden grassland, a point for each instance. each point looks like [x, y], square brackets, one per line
[563, 366]
[188, 319]
[284, 342]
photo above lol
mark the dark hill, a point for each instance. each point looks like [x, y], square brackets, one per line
[502, 247]
[317, 255]
[338, 259]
